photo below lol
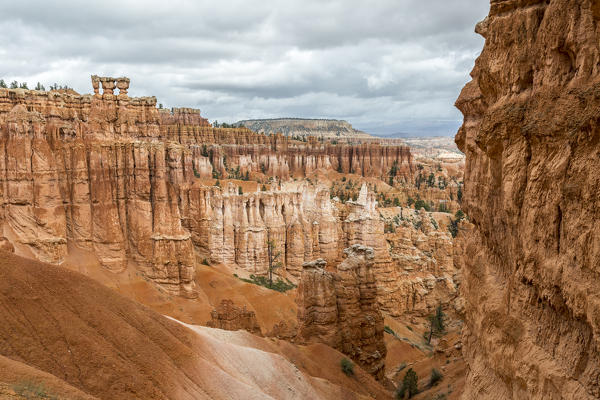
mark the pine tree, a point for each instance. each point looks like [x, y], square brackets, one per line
[410, 385]
[14, 85]
[41, 87]
[2, 83]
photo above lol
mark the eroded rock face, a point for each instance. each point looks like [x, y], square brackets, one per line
[531, 261]
[422, 252]
[232, 318]
[116, 176]
[363, 225]
[302, 222]
[341, 309]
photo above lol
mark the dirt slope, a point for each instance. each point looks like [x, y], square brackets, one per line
[93, 339]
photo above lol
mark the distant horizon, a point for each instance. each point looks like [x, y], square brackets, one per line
[441, 129]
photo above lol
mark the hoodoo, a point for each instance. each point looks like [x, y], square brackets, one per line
[115, 175]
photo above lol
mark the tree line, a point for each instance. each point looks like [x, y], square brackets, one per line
[24, 85]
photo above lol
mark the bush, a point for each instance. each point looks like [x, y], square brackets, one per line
[410, 385]
[436, 324]
[453, 226]
[422, 204]
[279, 285]
[347, 366]
[436, 377]
[31, 390]
[389, 330]
[205, 261]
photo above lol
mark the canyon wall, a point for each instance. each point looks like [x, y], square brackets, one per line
[122, 179]
[531, 259]
[340, 308]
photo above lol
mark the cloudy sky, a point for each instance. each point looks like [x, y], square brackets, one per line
[386, 66]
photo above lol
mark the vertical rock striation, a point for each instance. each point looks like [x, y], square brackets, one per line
[118, 177]
[341, 309]
[531, 261]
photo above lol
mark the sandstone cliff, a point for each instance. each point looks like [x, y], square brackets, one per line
[118, 177]
[328, 128]
[341, 310]
[530, 262]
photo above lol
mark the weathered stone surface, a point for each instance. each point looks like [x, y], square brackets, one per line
[232, 318]
[117, 176]
[6, 245]
[531, 260]
[341, 309]
[423, 254]
[363, 225]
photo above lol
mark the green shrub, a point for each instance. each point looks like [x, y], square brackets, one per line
[453, 226]
[279, 285]
[31, 390]
[389, 330]
[410, 385]
[436, 324]
[205, 261]
[436, 377]
[422, 204]
[347, 366]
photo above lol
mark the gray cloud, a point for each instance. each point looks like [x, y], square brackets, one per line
[385, 65]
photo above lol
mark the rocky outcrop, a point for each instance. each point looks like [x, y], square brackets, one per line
[422, 252]
[233, 229]
[232, 318]
[530, 261]
[328, 128]
[363, 225]
[341, 309]
[118, 177]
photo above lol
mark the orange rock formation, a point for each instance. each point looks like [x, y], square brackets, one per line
[114, 175]
[232, 318]
[531, 261]
[341, 310]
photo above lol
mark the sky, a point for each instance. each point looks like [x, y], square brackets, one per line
[385, 66]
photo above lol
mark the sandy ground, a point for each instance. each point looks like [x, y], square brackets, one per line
[213, 284]
[78, 337]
